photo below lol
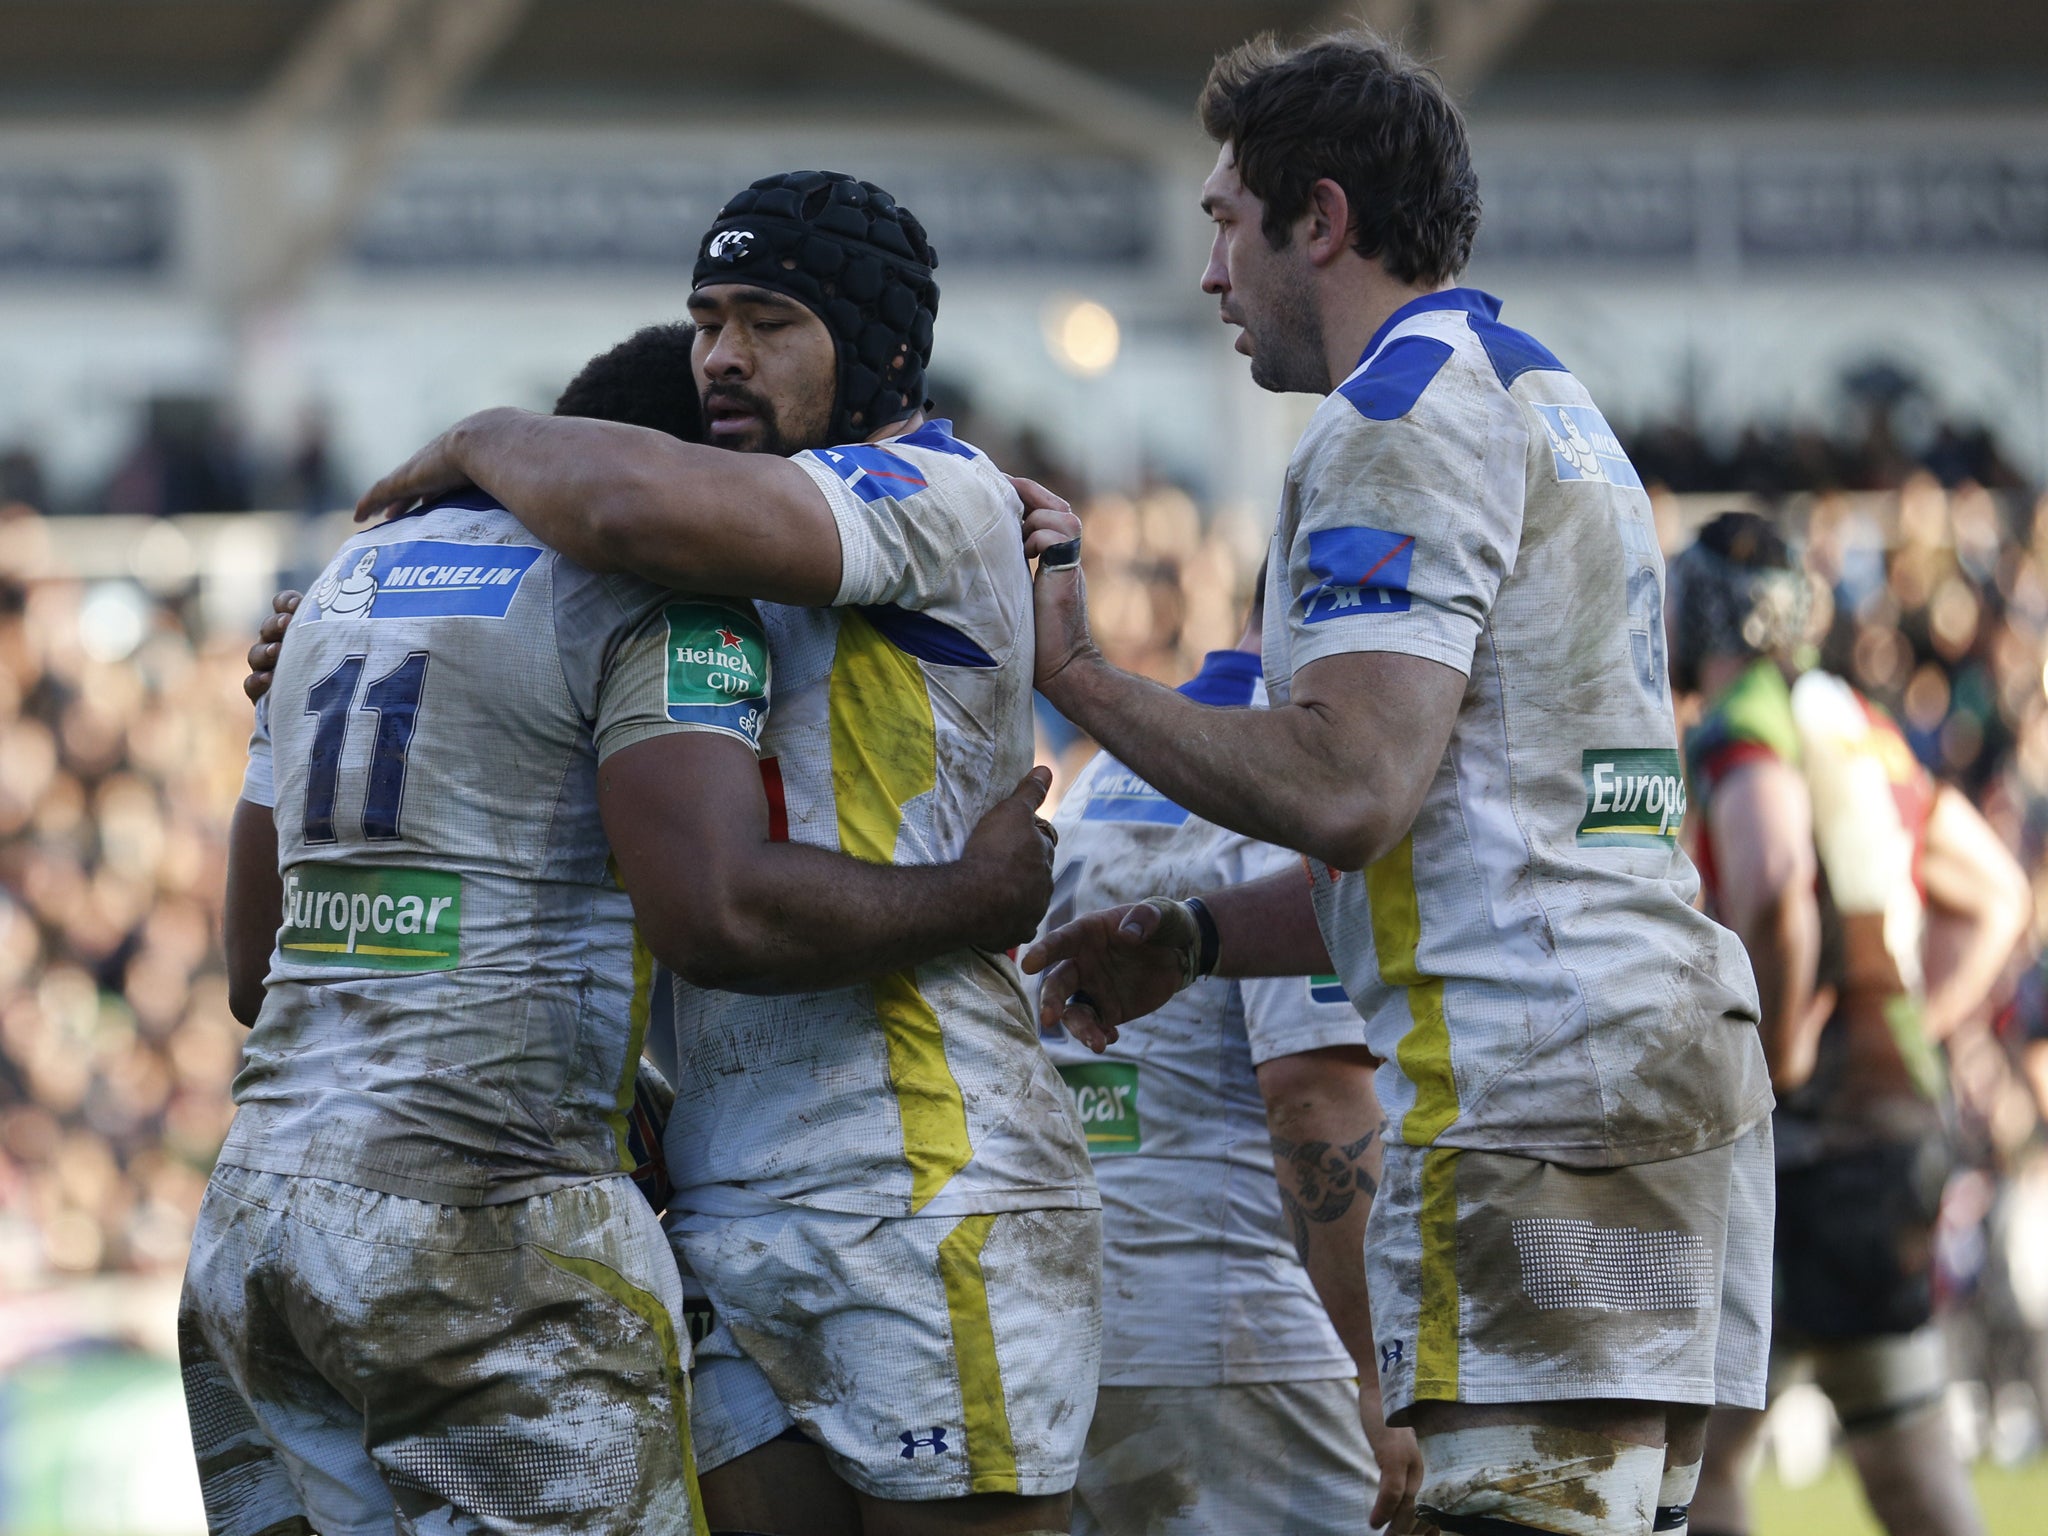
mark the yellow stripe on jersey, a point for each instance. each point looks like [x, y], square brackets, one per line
[646, 1306]
[1424, 1053]
[637, 1014]
[985, 1416]
[884, 755]
[1436, 1328]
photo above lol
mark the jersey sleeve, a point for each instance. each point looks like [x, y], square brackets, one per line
[1408, 522]
[1286, 1015]
[259, 781]
[908, 518]
[691, 664]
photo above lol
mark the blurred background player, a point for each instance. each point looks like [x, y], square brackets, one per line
[728, 898]
[1214, 1340]
[883, 1190]
[1879, 911]
[1472, 739]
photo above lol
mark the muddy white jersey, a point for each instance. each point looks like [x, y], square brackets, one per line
[455, 1000]
[1528, 960]
[902, 714]
[1200, 1282]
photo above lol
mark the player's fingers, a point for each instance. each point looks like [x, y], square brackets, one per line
[1139, 924]
[1052, 993]
[1037, 498]
[286, 601]
[263, 656]
[1034, 786]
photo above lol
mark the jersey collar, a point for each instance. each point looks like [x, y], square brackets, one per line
[1227, 679]
[1471, 300]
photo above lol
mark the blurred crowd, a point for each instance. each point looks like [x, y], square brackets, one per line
[122, 729]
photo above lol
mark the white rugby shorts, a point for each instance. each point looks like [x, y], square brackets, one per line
[1502, 1279]
[357, 1361]
[931, 1357]
[1280, 1458]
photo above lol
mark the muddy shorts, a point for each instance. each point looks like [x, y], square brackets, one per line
[356, 1362]
[930, 1356]
[1280, 1458]
[1500, 1279]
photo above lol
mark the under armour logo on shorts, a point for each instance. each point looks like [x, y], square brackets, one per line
[1390, 1355]
[935, 1442]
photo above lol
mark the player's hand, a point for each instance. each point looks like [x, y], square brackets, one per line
[269, 639]
[1048, 520]
[1400, 1460]
[434, 471]
[1106, 968]
[1014, 845]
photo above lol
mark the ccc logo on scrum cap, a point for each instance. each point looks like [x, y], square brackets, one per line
[731, 245]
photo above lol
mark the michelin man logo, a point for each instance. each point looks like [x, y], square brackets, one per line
[731, 245]
[1584, 447]
[349, 597]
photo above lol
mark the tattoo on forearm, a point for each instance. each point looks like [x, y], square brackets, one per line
[1319, 1181]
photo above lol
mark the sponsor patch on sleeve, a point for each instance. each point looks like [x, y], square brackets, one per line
[1327, 989]
[717, 669]
[1361, 571]
[871, 473]
[1106, 1094]
[1635, 797]
[1583, 447]
[423, 579]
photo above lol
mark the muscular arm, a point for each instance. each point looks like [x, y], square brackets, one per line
[1339, 772]
[1762, 839]
[619, 498]
[255, 898]
[1979, 909]
[724, 906]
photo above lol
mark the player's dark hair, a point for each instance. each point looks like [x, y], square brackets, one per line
[645, 381]
[1356, 111]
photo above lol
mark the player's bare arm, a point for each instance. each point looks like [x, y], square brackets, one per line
[1979, 910]
[1326, 1125]
[725, 906]
[255, 896]
[1338, 772]
[619, 498]
[1762, 839]
[1106, 968]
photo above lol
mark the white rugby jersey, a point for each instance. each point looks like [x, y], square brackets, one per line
[1528, 960]
[901, 716]
[1200, 1282]
[456, 1001]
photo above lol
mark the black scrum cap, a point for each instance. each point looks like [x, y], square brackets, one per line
[847, 252]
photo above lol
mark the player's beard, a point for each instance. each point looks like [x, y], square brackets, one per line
[809, 424]
[1287, 344]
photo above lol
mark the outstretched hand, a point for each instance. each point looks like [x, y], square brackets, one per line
[1014, 845]
[1106, 968]
[269, 640]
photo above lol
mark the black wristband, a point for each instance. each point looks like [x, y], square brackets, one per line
[1212, 943]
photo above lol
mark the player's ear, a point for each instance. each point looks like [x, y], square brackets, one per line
[1328, 221]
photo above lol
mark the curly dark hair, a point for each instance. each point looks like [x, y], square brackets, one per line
[645, 381]
[1358, 112]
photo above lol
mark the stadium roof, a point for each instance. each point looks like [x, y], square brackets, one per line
[696, 58]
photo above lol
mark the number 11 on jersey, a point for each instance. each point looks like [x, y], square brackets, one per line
[395, 699]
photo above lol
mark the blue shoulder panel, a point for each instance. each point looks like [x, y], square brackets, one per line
[928, 639]
[1393, 381]
[938, 435]
[871, 472]
[1514, 352]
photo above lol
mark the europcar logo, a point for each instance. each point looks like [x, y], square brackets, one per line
[717, 669]
[1635, 797]
[371, 919]
[1106, 1098]
[731, 245]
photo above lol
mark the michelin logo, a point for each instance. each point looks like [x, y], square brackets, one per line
[1123, 796]
[424, 578]
[1583, 447]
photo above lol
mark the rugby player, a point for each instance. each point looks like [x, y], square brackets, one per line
[1828, 848]
[1213, 1340]
[883, 1190]
[421, 1290]
[1471, 739]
